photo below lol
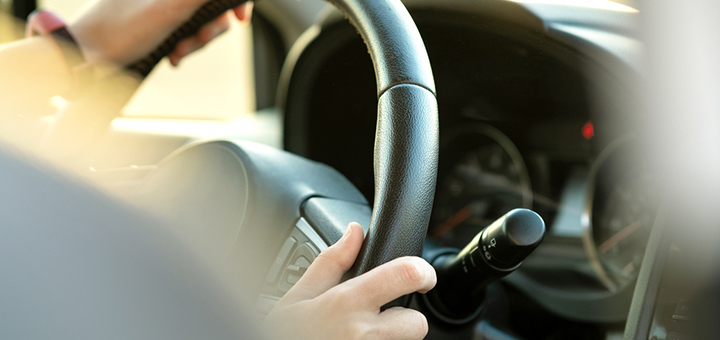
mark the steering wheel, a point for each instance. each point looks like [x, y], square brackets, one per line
[78, 264]
[406, 139]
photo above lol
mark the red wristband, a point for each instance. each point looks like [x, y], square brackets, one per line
[49, 24]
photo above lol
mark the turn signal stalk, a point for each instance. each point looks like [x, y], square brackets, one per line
[494, 252]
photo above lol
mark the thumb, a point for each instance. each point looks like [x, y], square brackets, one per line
[328, 268]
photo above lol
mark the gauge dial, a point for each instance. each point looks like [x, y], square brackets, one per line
[623, 205]
[484, 179]
[622, 228]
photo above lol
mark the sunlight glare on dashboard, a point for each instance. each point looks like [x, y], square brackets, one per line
[598, 4]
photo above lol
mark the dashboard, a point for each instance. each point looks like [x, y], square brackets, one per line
[535, 103]
[537, 109]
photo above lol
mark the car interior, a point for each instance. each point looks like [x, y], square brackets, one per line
[504, 133]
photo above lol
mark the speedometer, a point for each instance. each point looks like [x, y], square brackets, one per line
[621, 207]
[482, 177]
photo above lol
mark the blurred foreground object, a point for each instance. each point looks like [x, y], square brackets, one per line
[682, 111]
[79, 265]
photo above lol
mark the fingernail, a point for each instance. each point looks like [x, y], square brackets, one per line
[249, 10]
[347, 232]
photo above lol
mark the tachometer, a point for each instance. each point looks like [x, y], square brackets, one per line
[482, 177]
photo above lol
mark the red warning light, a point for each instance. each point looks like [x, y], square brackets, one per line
[588, 130]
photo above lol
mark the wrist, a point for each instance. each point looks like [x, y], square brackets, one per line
[96, 55]
[94, 43]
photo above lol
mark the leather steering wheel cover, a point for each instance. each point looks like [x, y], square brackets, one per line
[407, 137]
[406, 156]
[394, 42]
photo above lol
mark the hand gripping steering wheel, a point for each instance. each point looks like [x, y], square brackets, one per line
[406, 139]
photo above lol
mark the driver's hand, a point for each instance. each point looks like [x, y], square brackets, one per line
[209, 32]
[122, 32]
[317, 307]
